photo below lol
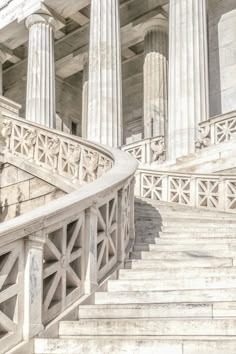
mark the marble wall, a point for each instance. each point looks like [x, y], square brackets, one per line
[222, 56]
[21, 192]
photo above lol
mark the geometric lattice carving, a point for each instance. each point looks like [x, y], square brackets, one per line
[225, 130]
[179, 189]
[151, 186]
[11, 293]
[55, 152]
[63, 267]
[107, 228]
[230, 195]
[208, 193]
[137, 152]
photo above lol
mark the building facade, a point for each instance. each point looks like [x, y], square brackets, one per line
[164, 68]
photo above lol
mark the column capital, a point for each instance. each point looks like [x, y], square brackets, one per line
[37, 18]
[155, 23]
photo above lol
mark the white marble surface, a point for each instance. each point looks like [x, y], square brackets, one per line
[104, 96]
[188, 80]
[40, 98]
[155, 77]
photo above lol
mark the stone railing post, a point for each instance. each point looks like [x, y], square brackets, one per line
[193, 191]
[213, 134]
[222, 194]
[137, 188]
[132, 201]
[91, 272]
[121, 240]
[33, 285]
[165, 188]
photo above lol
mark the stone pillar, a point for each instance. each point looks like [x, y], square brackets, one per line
[40, 98]
[155, 73]
[85, 98]
[33, 285]
[104, 102]
[188, 75]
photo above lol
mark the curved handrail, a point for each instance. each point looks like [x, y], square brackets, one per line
[73, 159]
[68, 245]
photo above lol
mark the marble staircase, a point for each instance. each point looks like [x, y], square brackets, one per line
[175, 295]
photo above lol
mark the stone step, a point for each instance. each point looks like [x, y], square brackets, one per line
[199, 229]
[175, 273]
[172, 310]
[154, 327]
[187, 240]
[168, 296]
[198, 222]
[146, 310]
[180, 263]
[194, 234]
[133, 345]
[172, 284]
[184, 238]
[140, 247]
[182, 255]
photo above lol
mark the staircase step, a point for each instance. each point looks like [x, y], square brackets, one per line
[148, 310]
[175, 273]
[139, 247]
[175, 240]
[172, 284]
[133, 345]
[182, 255]
[199, 229]
[179, 263]
[107, 345]
[168, 296]
[154, 327]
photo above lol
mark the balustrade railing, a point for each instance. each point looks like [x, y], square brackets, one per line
[52, 256]
[217, 130]
[68, 156]
[197, 190]
[147, 151]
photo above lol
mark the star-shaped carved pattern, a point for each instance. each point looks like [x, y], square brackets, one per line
[208, 193]
[180, 190]
[151, 187]
[63, 267]
[225, 130]
[107, 237]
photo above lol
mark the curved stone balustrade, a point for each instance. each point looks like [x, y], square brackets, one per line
[217, 130]
[197, 190]
[147, 150]
[68, 156]
[56, 254]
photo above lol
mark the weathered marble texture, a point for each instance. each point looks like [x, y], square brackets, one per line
[104, 97]
[155, 78]
[40, 98]
[188, 81]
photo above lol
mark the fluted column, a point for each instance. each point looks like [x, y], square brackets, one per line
[104, 97]
[40, 98]
[188, 74]
[155, 73]
[85, 98]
